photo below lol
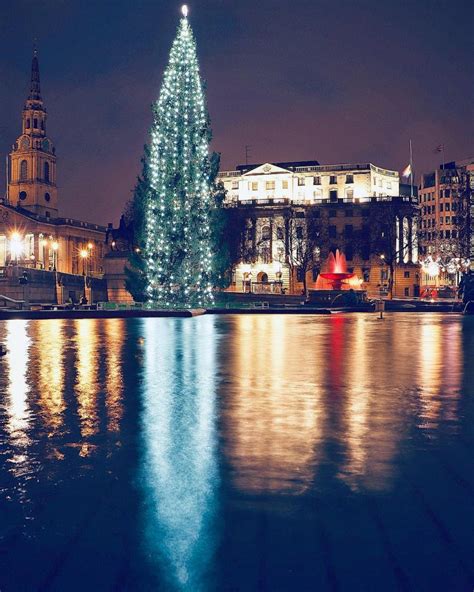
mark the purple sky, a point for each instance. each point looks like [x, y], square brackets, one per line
[335, 81]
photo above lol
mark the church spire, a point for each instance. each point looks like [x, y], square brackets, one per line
[35, 90]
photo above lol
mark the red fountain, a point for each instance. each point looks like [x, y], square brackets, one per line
[337, 270]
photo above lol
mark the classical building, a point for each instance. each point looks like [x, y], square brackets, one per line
[292, 215]
[32, 233]
[445, 199]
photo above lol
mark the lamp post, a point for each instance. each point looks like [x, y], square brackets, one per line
[55, 247]
[84, 255]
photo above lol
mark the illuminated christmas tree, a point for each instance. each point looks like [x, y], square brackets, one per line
[177, 237]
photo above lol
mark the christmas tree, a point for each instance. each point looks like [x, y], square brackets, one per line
[177, 249]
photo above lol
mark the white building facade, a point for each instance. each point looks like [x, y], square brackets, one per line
[308, 183]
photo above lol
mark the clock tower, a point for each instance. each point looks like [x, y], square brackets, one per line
[32, 178]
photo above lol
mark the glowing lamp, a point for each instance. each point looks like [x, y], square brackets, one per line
[84, 253]
[55, 246]
[16, 244]
[184, 10]
[90, 246]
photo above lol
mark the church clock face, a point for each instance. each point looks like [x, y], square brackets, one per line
[24, 143]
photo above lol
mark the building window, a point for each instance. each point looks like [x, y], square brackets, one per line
[441, 205]
[447, 206]
[266, 233]
[318, 194]
[253, 186]
[23, 170]
[448, 220]
[235, 185]
[348, 230]
[333, 195]
[349, 178]
[301, 181]
[46, 172]
[406, 274]
[35, 123]
[407, 291]
[350, 194]
[279, 233]
[316, 180]
[42, 125]
[23, 195]
[47, 197]
[270, 185]
[28, 123]
[284, 185]
[299, 232]
[332, 213]
[333, 180]
[447, 234]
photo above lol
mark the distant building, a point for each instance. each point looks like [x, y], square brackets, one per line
[308, 182]
[445, 200]
[356, 208]
[32, 235]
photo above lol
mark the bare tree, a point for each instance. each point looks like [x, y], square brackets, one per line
[389, 236]
[306, 236]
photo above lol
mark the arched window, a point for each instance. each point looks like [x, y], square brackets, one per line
[47, 197]
[266, 233]
[28, 123]
[42, 124]
[23, 170]
[46, 172]
[35, 123]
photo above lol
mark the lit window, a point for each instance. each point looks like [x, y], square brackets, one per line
[270, 185]
[284, 184]
[301, 181]
[253, 186]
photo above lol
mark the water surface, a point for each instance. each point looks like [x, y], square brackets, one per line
[237, 453]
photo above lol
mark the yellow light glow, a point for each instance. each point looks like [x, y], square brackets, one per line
[55, 246]
[90, 246]
[84, 254]
[16, 244]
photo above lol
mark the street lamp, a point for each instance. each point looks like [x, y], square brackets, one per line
[55, 247]
[16, 245]
[84, 255]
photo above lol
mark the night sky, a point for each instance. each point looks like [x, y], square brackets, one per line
[335, 81]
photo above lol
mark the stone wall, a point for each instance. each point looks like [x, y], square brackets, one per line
[48, 287]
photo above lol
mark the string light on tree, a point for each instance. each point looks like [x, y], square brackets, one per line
[177, 249]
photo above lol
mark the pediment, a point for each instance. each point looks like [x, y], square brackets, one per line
[266, 169]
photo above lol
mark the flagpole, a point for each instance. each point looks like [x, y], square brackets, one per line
[411, 172]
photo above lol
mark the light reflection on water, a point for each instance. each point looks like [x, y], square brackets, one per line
[203, 411]
[344, 390]
[179, 445]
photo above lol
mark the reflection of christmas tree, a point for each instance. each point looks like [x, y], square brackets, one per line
[177, 250]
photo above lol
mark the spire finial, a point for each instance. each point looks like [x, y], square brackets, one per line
[35, 90]
[184, 10]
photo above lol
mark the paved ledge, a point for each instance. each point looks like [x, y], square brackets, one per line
[98, 314]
